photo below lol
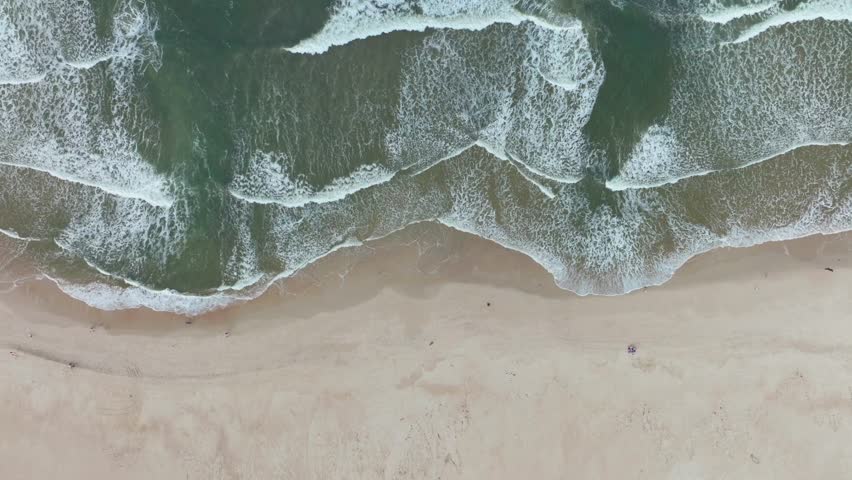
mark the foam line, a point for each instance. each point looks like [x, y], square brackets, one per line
[549, 267]
[522, 168]
[348, 23]
[525, 170]
[831, 10]
[113, 298]
[542, 187]
[728, 14]
[618, 183]
[567, 86]
[109, 298]
[343, 244]
[103, 272]
[324, 196]
[153, 198]
[23, 81]
[138, 295]
[500, 154]
[13, 234]
[75, 64]
[241, 284]
[732, 241]
[88, 64]
[338, 190]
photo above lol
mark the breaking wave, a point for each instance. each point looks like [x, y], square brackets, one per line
[830, 10]
[352, 20]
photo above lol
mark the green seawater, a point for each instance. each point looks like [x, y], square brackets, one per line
[181, 154]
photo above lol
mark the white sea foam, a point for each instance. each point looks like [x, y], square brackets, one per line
[18, 63]
[147, 186]
[531, 174]
[242, 283]
[527, 172]
[598, 251]
[86, 64]
[719, 13]
[135, 295]
[352, 20]
[110, 298]
[456, 95]
[268, 180]
[23, 81]
[523, 103]
[125, 235]
[651, 162]
[758, 100]
[34, 33]
[116, 235]
[241, 268]
[831, 10]
[129, 232]
[51, 113]
[547, 191]
[14, 235]
[609, 253]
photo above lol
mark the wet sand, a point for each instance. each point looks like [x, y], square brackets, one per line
[448, 358]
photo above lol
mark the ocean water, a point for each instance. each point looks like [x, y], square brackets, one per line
[182, 155]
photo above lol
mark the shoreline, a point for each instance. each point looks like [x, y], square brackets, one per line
[399, 264]
[37, 291]
[454, 358]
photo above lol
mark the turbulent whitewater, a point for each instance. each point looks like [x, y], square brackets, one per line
[183, 157]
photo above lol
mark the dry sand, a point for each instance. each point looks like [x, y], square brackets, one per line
[479, 369]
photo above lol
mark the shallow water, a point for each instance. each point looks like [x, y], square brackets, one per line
[181, 155]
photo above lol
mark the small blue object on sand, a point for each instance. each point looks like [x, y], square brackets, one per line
[631, 349]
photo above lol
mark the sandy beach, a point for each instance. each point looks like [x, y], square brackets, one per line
[455, 359]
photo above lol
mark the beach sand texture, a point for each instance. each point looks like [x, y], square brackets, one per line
[742, 369]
